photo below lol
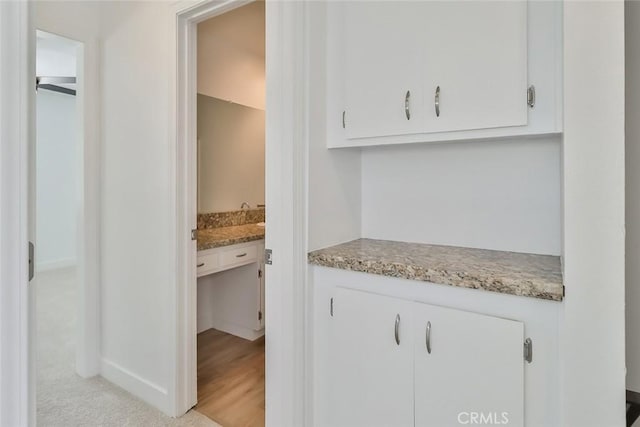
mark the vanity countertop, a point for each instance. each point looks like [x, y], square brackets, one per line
[210, 238]
[537, 276]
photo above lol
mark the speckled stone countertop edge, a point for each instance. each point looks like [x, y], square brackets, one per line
[218, 237]
[493, 280]
[228, 242]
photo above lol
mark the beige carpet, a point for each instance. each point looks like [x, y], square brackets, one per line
[63, 398]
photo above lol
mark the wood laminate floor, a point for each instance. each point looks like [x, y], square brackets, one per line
[231, 379]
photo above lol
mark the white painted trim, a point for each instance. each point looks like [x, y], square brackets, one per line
[286, 186]
[59, 264]
[592, 377]
[89, 332]
[287, 142]
[17, 106]
[138, 386]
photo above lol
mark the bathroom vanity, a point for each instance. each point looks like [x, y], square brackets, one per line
[230, 273]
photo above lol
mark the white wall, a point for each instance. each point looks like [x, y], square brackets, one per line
[57, 180]
[502, 195]
[231, 52]
[632, 57]
[230, 155]
[592, 322]
[334, 175]
[138, 274]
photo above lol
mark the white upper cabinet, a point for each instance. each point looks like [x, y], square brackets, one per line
[420, 71]
[476, 53]
[383, 69]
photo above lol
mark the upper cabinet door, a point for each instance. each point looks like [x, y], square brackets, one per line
[476, 54]
[467, 365]
[383, 69]
[371, 361]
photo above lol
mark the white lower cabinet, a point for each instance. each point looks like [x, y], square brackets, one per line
[395, 362]
[371, 373]
[469, 368]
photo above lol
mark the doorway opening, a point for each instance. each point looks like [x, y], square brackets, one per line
[230, 206]
[285, 317]
[58, 233]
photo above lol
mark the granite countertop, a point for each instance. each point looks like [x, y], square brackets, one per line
[537, 276]
[210, 238]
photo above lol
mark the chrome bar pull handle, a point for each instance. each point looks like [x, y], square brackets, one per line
[407, 105]
[428, 338]
[528, 350]
[531, 96]
[201, 265]
[437, 101]
[397, 329]
[241, 255]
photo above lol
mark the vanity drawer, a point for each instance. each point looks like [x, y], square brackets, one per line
[207, 263]
[239, 256]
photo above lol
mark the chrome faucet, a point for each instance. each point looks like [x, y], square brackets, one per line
[245, 205]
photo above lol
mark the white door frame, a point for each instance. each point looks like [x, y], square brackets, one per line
[17, 126]
[286, 184]
[89, 332]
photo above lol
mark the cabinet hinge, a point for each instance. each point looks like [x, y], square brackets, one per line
[344, 123]
[528, 350]
[259, 315]
[259, 273]
[531, 96]
[194, 234]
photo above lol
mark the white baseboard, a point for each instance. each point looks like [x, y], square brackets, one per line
[237, 330]
[151, 393]
[55, 265]
[207, 321]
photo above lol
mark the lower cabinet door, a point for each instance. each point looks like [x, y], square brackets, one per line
[469, 368]
[371, 361]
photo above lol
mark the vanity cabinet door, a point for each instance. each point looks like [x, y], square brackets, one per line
[370, 361]
[467, 365]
